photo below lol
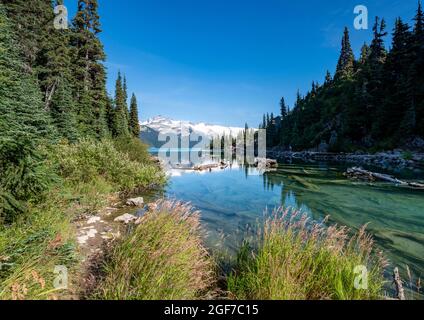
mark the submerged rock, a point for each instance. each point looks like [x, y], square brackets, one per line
[126, 218]
[135, 202]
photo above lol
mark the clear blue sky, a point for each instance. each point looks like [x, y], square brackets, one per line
[228, 61]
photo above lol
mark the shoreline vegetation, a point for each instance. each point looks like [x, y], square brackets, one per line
[68, 151]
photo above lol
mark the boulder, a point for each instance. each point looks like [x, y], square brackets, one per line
[126, 218]
[135, 202]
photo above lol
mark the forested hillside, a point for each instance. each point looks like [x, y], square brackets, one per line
[52, 89]
[373, 102]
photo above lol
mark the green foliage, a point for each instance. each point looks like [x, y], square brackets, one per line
[89, 75]
[134, 148]
[120, 125]
[297, 260]
[90, 159]
[345, 66]
[374, 103]
[23, 126]
[163, 258]
[32, 247]
[134, 122]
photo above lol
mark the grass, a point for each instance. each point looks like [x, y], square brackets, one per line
[32, 247]
[42, 237]
[163, 259]
[295, 259]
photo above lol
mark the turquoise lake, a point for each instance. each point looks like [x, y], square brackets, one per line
[233, 200]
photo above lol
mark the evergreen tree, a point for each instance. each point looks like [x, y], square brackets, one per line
[110, 114]
[374, 80]
[264, 123]
[134, 122]
[397, 68]
[365, 53]
[30, 26]
[89, 72]
[120, 123]
[283, 109]
[345, 66]
[127, 113]
[24, 125]
[416, 78]
[328, 78]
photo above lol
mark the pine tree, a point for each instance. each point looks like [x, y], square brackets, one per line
[328, 78]
[283, 109]
[397, 72]
[365, 53]
[416, 79]
[345, 66]
[264, 123]
[89, 72]
[134, 122]
[127, 112]
[374, 79]
[110, 114]
[120, 123]
[24, 125]
[30, 25]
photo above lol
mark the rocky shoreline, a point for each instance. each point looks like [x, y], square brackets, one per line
[389, 160]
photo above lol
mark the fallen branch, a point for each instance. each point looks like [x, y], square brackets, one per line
[359, 173]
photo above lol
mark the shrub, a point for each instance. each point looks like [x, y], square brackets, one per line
[89, 160]
[299, 260]
[134, 148]
[162, 259]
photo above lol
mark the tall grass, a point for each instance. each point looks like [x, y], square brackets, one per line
[296, 259]
[162, 259]
[31, 248]
[42, 236]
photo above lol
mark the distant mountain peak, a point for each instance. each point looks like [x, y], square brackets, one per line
[151, 129]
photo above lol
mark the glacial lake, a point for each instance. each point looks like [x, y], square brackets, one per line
[232, 201]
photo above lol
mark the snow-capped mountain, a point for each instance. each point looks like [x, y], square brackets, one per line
[151, 129]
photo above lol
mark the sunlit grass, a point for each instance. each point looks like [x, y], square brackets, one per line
[88, 173]
[294, 259]
[162, 259]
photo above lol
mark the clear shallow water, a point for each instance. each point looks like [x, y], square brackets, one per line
[231, 200]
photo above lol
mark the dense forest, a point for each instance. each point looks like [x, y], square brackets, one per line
[372, 103]
[52, 89]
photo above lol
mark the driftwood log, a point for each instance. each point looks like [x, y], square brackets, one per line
[361, 174]
[221, 165]
[400, 292]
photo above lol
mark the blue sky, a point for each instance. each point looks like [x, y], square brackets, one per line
[228, 61]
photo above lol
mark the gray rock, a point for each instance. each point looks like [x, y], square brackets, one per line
[126, 218]
[135, 202]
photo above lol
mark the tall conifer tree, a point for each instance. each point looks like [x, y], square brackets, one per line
[134, 122]
[345, 66]
[89, 71]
